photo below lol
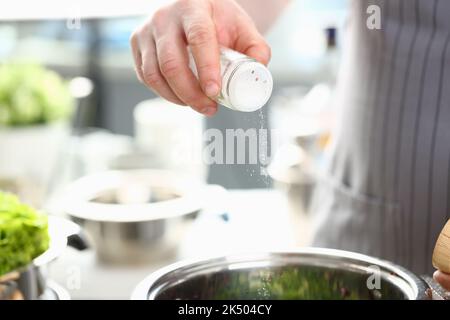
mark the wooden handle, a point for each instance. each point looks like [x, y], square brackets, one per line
[441, 254]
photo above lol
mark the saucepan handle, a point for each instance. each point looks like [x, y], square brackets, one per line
[76, 238]
[63, 232]
[78, 241]
[436, 292]
[74, 234]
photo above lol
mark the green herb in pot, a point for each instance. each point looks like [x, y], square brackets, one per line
[23, 233]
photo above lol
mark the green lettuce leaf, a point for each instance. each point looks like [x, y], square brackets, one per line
[31, 94]
[23, 233]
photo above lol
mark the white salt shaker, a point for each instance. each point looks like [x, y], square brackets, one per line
[246, 84]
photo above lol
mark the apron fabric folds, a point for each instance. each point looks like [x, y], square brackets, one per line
[387, 188]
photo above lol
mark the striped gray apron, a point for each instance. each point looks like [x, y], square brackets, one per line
[387, 190]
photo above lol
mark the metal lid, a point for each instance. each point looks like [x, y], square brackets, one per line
[250, 86]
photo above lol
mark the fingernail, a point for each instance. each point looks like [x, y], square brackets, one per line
[212, 89]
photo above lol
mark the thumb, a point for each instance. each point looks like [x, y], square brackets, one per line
[443, 279]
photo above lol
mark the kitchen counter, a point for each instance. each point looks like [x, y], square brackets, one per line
[259, 220]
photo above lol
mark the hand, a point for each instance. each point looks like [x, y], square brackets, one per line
[160, 55]
[443, 279]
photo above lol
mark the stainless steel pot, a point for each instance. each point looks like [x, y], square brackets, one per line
[136, 216]
[31, 282]
[311, 273]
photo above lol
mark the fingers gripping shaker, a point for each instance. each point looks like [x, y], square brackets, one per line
[246, 84]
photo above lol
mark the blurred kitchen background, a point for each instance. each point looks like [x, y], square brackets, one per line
[118, 124]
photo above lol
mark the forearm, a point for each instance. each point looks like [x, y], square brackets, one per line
[263, 12]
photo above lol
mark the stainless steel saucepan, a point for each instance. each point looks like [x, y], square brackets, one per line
[135, 216]
[31, 282]
[311, 273]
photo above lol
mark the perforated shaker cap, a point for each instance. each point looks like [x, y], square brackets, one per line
[250, 86]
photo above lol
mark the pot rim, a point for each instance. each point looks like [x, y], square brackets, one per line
[76, 199]
[411, 285]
